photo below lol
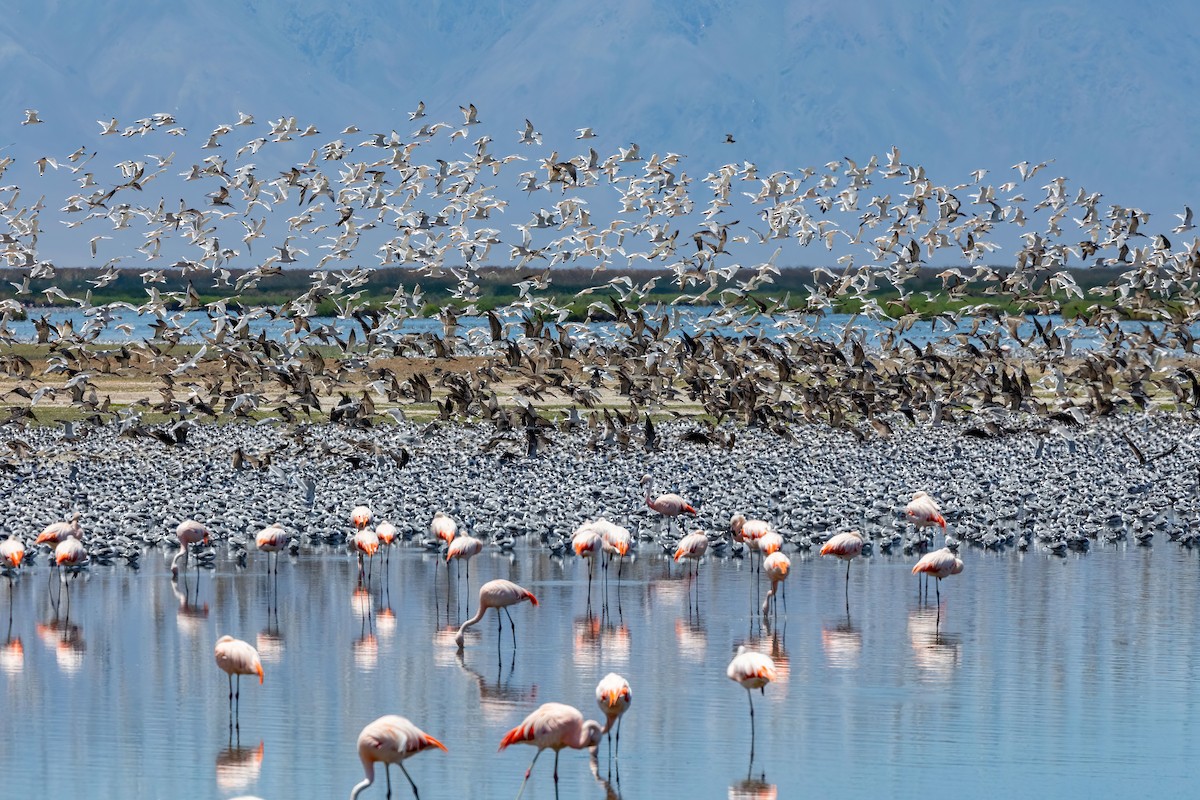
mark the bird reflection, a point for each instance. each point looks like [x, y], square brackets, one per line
[842, 643]
[612, 783]
[498, 700]
[692, 637]
[366, 646]
[238, 767]
[191, 614]
[936, 654]
[12, 652]
[753, 789]
[67, 641]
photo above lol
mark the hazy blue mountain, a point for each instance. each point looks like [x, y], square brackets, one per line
[1106, 89]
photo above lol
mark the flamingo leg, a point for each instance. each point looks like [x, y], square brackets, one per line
[556, 752]
[750, 697]
[528, 772]
[512, 625]
[387, 771]
[619, 738]
[416, 794]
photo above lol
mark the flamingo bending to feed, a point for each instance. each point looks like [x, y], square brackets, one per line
[554, 726]
[776, 566]
[189, 532]
[236, 657]
[390, 740]
[669, 505]
[497, 594]
[614, 698]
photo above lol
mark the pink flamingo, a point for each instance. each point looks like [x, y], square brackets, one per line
[770, 542]
[752, 670]
[12, 552]
[776, 565]
[272, 539]
[923, 511]
[464, 548]
[365, 542]
[846, 546]
[940, 564]
[386, 532]
[587, 543]
[188, 532]
[669, 505]
[617, 541]
[390, 740]
[693, 547]
[236, 657]
[614, 698]
[443, 527]
[57, 531]
[749, 531]
[360, 517]
[554, 726]
[498, 594]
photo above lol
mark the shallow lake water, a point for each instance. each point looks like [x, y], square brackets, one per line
[1063, 677]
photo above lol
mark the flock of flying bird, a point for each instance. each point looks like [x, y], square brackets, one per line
[430, 205]
[392, 739]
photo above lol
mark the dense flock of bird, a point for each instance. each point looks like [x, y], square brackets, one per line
[439, 200]
[798, 440]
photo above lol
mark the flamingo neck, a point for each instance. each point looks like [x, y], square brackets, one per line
[472, 621]
[369, 767]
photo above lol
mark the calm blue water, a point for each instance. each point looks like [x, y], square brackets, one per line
[1064, 677]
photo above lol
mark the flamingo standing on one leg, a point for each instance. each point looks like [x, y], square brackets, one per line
[553, 726]
[497, 594]
[236, 657]
[669, 505]
[614, 697]
[752, 670]
[390, 740]
[846, 546]
[776, 565]
[464, 548]
[188, 532]
[588, 544]
[940, 564]
[272, 539]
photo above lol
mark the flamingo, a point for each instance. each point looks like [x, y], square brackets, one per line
[57, 531]
[365, 543]
[70, 553]
[846, 546]
[464, 548]
[693, 546]
[497, 594]
[776, 565]
[386, 532]
[443, 527]
[12, 552]
[940, 564]
[360, 517]
[749, 531]
[924, 512]
[669, 505]
[554, 726]
[188, 532]
[390, 740]
[272, 539]
[587, 543]
[614, 697]
[239, 658]
[770, 542]
[617, 541]
[752, 670]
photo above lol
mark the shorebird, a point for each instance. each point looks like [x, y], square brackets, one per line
[553, 726]
[390, 740]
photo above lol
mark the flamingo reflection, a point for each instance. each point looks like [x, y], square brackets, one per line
[498, 699]
[936, 654]
[842, 644]
[753, 789]
[192, 615]
[238, 767]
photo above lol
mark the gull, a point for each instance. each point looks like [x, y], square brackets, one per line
[244, 118]
[470, 114]
[729, 139]
[107, 127]
[585, 133]
[31, 117]
[1185, 221]
[420, 112]
[529, 135]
